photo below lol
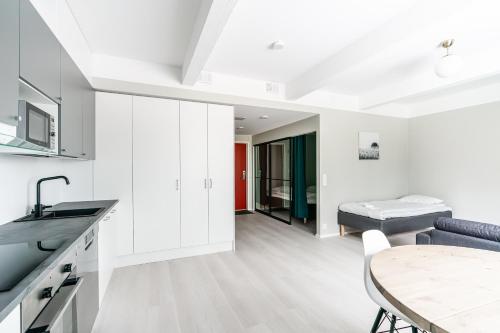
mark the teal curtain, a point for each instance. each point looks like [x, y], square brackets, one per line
[299, 207]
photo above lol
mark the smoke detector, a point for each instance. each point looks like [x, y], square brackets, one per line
[277, 45]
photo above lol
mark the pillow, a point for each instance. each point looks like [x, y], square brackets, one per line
[423, 199]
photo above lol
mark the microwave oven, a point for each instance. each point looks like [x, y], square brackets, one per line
[36, 126]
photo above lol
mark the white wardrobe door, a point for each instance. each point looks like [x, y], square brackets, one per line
[194, 182]
[156, 174]
[221, 173]
[113, 162]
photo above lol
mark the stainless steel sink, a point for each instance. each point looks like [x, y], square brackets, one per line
[62, 214]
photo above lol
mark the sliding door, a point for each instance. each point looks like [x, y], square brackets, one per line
[280, 179]
[261, 178]
[273, 182]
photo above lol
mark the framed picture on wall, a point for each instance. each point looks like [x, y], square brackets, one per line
[369, 146]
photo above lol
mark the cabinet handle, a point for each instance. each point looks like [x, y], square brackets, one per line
[62, 149]
[113, 211]
[83, 154]
[205, 183]
[210, 183]
[177, 185]
[17, 118]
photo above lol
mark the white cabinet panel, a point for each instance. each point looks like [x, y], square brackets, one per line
[194, 182]
[221, 172]
[12, 323]
[113, 162]
[156, 174]
[106, 250]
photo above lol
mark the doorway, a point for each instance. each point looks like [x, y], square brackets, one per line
[240, 176]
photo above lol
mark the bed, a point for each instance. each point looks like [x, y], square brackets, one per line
[409, 213]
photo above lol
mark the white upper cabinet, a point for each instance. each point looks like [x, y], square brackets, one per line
[194, 178]
[156, 174]
[221, 173]
[113, 162]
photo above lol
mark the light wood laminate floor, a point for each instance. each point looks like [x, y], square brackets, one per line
[280, 279]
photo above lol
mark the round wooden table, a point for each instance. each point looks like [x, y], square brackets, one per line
[442, 288]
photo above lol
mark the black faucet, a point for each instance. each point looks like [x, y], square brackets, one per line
[39, 207]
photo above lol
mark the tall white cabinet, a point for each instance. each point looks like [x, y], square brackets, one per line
[194, 162]
[171, 164]
[220, 173]
[113, 163]
[156, 174]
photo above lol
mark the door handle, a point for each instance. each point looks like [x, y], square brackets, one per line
[244, 175]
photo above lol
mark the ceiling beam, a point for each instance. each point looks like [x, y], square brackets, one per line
[429, 85]
[210, 21]
[421, 15]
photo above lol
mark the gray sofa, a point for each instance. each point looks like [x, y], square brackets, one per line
[454, 232]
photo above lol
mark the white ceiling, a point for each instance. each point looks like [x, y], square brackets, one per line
[312, 30]
[148, 30]
[378, 52]
[254, 125]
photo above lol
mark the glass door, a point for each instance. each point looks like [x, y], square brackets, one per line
[273, 183]
[280, 180]
[261, 178]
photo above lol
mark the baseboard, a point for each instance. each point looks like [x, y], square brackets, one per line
[335, 234]
[144, 258]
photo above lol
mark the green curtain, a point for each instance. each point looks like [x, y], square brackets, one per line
[299, 207]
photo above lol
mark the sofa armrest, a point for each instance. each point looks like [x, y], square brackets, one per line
[469, 228]
[424, 238]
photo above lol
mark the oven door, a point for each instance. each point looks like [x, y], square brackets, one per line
[59, 316]
[36, 126]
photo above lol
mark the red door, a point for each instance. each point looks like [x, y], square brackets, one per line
[240, 175]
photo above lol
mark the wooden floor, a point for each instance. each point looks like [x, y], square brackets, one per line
[280, 279]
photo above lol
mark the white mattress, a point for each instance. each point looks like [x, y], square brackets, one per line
[382, 210]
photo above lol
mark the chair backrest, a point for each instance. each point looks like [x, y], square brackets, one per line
[374, 241]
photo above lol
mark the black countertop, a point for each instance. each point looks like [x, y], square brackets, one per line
[69, 230]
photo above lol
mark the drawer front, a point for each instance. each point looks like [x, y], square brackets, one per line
[34, 302]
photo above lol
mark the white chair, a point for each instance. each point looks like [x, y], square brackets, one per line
[375, 241]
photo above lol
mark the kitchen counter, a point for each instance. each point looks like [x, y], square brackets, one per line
[67, 230]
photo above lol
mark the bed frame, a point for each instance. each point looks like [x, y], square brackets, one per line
[388, 226]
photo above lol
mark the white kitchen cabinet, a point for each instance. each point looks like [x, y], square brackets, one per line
[113, 162]
[194, 169]
[221, 173]
[106, 249]
[12, 323]
[156, 174]
[171, 165]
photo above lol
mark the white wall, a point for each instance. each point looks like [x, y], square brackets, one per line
[456, 156]
[19, 177]
[248, 140]
[348, 178]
